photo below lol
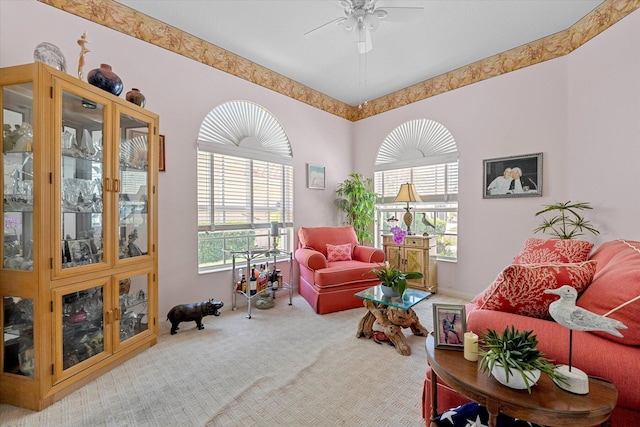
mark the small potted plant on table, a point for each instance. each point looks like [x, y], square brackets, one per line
[394, 281]
[513, 359]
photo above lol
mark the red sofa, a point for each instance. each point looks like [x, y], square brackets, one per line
[616, 283]
[328, 284]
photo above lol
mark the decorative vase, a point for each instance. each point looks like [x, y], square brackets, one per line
[105, 79]
[388, 291]
[135, 96]
[515, 377]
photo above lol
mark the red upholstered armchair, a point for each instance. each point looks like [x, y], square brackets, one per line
[333, 267]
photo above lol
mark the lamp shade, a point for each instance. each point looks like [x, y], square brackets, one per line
[407, 193]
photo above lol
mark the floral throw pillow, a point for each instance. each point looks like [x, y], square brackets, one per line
[552, 250]
[519, 288]
[339, 252]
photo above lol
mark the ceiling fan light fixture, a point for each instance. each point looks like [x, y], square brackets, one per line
[350, 23]
[371, 22]
[380, 13]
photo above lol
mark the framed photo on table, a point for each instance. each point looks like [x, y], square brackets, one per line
[315, 177]
[515, 176]
[449, 326]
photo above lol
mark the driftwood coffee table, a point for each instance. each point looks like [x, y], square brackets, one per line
[547, 404]
[392, 314]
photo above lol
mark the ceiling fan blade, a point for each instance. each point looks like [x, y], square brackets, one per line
[403, 14]
[336, 21]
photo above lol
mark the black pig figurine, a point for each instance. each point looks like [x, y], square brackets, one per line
[195, 312]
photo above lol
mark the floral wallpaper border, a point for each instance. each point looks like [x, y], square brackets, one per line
[125, 20]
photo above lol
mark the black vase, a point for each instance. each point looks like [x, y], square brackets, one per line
[105, 79]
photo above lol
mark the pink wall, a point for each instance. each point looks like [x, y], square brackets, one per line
[561, 107]
[182, 92]
[582, 111]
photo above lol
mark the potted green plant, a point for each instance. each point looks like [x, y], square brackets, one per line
[357, 199]
[567, 223]
[513, 359]
[394, 281]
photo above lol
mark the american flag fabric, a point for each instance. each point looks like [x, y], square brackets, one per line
[475, 415]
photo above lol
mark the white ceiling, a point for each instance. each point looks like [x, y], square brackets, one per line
[450, 34]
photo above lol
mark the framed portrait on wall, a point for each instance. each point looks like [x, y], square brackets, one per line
[449, 326]
[515, 176]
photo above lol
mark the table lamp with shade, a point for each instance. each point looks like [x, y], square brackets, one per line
[408, 194]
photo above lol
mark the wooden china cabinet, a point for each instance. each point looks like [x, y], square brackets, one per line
[78, 281]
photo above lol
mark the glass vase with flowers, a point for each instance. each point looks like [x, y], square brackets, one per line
[394, 281]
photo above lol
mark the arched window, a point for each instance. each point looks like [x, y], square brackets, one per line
[422, 152]
[245, 182]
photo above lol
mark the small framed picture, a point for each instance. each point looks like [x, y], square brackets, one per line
[449, 326]
[515, 176]
[161, 166]
[315, 177]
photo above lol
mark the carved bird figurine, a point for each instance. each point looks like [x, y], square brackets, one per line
[426, 221]
[565, 312]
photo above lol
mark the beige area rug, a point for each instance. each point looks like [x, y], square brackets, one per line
[287, 366]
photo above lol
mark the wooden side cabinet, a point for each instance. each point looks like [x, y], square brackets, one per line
[417, 253]
[78, 280]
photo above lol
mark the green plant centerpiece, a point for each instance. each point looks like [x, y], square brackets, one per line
[513, 353]
[389, 275]
[357, 199]
[567, 222]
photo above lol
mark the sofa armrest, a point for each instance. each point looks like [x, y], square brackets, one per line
[311, 259]
[368, 254]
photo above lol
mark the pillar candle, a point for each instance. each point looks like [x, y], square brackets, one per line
[471, 346]
[274, 229]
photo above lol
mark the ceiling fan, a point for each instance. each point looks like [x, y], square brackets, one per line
[362, 18]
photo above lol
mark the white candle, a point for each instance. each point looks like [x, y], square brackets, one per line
[274, 229]
[471, 346]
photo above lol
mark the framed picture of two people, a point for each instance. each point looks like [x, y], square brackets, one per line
[515, 176]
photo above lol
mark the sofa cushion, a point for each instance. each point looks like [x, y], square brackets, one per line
[616, 288]
[519, 288]
[553, 250]
[339, 252]
[344, 273]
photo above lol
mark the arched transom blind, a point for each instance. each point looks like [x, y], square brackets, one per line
[416, 142]
[247, 129]
[422, 152]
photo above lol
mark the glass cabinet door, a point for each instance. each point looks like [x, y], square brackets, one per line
[18, 336]
[133, 299]
[81, 326]
[82, 220]
[132, 185]
[17, 177]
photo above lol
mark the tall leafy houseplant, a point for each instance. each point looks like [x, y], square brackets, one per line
[357, 199]
[567, 222]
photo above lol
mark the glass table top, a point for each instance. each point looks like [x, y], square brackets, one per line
[410, 297]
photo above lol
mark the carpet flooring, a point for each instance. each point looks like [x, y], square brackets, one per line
[286, 366]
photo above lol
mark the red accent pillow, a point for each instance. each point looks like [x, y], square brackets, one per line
[339, 252]
[519, 288]
[616, 286]
[542, 250]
